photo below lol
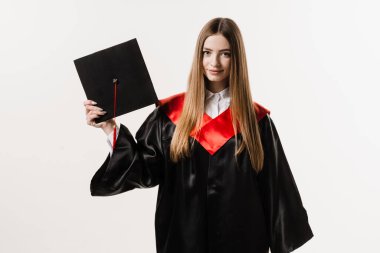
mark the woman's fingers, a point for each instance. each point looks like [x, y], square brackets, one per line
[89, 105]
[93, 112]
[92, 115]
[97, 112]
[92, 108]
[89, 102]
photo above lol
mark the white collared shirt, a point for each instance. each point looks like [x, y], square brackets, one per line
[215, 104]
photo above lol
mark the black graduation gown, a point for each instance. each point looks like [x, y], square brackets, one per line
[209, 202]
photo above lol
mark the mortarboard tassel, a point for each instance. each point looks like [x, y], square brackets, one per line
[114, 113]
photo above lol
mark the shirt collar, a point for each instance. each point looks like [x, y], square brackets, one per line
[224, 93]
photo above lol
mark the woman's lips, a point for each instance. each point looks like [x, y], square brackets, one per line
[215, 72]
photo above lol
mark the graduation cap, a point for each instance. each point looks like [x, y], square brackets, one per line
[117, 79]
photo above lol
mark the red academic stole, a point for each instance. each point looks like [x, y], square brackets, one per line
[214, 132]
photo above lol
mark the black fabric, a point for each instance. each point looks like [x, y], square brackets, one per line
[209, 204]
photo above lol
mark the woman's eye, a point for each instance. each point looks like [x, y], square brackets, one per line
[206, 52]
[227, 54]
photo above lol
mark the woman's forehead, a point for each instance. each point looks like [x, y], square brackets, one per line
[216, 42]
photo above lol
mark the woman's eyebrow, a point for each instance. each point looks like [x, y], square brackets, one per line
[226, 49]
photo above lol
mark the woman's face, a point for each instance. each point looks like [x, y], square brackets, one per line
[216, 59]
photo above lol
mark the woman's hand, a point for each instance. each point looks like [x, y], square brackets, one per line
[93, 112]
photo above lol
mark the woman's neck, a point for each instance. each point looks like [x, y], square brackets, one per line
[216, 87]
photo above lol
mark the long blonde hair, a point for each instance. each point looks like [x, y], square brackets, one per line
[241, 105]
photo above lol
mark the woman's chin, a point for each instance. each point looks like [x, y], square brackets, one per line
[215, 79]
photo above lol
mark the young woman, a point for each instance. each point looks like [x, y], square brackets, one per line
[224, 182]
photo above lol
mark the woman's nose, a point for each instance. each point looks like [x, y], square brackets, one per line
[214, 61]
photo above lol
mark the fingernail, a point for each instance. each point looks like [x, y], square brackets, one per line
[93, 102]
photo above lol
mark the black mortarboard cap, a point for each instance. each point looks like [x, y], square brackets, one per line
[123, 64]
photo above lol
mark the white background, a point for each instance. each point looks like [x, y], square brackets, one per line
[313, 63]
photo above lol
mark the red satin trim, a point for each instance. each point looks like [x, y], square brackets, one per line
[173, 106]
[260, 111]
[214, 133]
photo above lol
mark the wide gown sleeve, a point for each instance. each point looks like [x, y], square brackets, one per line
[286, 218]
[133, 164]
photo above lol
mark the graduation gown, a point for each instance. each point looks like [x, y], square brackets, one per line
[209, 202]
